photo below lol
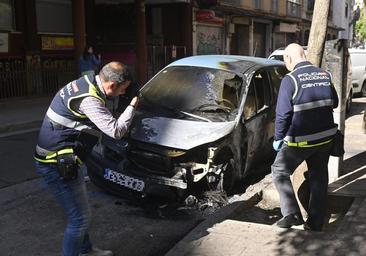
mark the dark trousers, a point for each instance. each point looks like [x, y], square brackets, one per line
[286, 162]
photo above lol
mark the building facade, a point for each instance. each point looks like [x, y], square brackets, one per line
[41, 40]
[342, 18]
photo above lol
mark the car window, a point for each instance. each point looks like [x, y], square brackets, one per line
[262, 89]
[259, 94]
[231, 91]
[276, 74]
[250, 108]
[186, 87]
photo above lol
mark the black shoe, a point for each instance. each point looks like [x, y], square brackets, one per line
[308, 226]
[290, 220]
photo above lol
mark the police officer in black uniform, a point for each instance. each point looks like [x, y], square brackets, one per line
[304, 129]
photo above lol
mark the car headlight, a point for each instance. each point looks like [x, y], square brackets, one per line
[174, 152]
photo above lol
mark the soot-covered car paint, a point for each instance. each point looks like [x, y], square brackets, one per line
[203, 123]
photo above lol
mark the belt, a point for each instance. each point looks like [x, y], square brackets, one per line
[306, 144]
[45, 156]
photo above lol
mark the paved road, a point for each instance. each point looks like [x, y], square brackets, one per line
[16, 158]
[31, 223]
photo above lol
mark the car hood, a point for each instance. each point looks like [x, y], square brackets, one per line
[177, 133]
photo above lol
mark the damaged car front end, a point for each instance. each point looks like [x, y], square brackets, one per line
[191, 131]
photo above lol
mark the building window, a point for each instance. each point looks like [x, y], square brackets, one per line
[7, 15]
[311, 5]
[346, 10]
[274, 6]
[293, 8]
[306, 37]
[54, 16]
[257, 4]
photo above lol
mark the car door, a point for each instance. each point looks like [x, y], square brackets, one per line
[256, 116]
[276, 74]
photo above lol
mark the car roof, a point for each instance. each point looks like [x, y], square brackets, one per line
[234, 63]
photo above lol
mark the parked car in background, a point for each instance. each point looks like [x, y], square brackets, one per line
[358, 62]
[278, 55]
[203, 123]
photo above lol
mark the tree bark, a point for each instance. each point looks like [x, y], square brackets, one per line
[364, 12]
[318, 31]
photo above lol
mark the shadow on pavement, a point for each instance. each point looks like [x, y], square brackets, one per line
[354, 163]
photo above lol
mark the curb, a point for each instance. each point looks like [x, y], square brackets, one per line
[250, 198]
[351, 213]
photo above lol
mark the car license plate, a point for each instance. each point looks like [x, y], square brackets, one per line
[124, 180]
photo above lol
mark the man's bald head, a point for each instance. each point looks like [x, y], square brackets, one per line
[293, 55]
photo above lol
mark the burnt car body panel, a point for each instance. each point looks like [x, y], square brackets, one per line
[191, 133]
[203, 121]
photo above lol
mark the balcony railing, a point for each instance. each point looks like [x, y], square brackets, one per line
[293, 8]
[160, 56]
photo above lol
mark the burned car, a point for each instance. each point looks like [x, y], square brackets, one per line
[203, 123]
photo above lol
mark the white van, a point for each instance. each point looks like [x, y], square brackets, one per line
[278, 54]
[358, 62]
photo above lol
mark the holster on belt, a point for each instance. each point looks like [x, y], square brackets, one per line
[67, 166]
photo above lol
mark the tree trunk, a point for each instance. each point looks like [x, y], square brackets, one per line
[318, 31]
[364, 12]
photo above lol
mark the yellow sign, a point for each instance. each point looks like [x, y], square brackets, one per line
[57, 43]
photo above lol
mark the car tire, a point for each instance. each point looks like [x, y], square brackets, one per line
[363, 89]
[226, 183]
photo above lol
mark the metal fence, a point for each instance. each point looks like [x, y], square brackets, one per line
[160, 56]
[19, 78]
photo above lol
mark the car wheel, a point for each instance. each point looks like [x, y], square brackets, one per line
[349, 103]
[226, 181]
[363, 89]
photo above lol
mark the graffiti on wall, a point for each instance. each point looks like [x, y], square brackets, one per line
[209, 40]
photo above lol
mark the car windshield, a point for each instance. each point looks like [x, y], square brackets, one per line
[194, 89]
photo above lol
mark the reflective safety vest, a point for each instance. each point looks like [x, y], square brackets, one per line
[64, 129]
[313, 100]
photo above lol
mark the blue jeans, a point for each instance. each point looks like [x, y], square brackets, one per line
[71, 195]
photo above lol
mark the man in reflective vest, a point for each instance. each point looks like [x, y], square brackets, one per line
[304, 128]
[76, 117]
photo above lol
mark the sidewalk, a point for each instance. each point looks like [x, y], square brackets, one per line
[22, 114]
[232, 231]
[236, 234]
